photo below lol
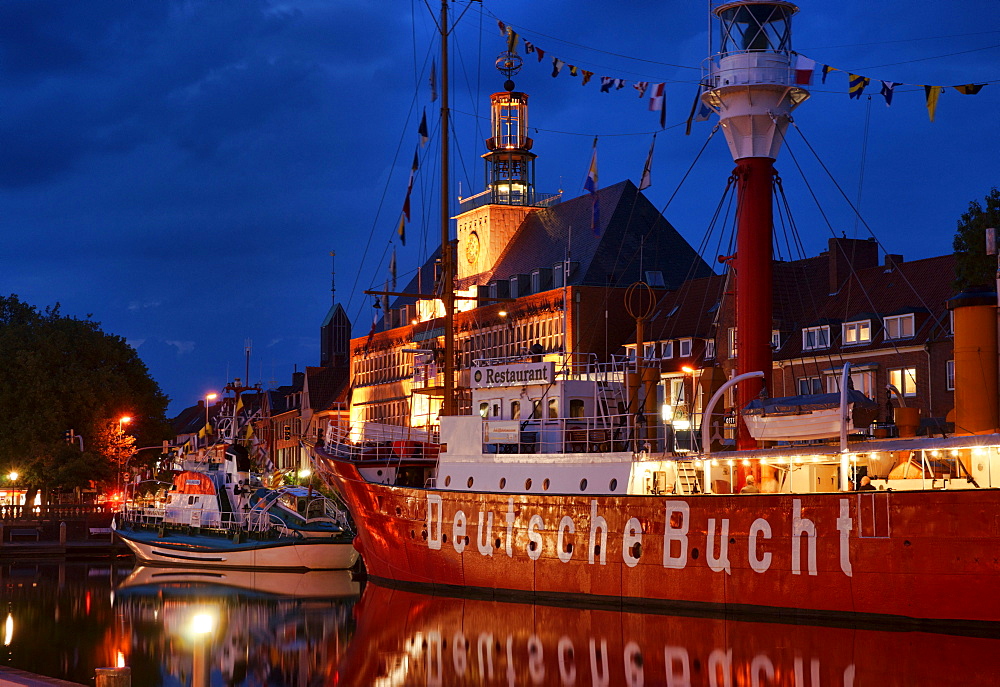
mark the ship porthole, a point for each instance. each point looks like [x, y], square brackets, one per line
[503, 482]
[527, 484]
[545, 484]
[583, 484]
[636, 550]
[447, 481]
[614, 485]
[471, 480]
[497, 543]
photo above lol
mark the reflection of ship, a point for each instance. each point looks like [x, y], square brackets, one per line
[253, 627]
[194, 581]
[406, 638]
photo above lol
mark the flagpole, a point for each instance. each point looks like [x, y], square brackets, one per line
[447, 269]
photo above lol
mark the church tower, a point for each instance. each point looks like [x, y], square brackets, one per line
[488, 220]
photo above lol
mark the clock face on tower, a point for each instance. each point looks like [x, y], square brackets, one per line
[472, 247]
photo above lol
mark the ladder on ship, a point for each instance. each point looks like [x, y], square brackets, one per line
[687, 478]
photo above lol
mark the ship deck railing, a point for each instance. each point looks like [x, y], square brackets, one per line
[605, 434]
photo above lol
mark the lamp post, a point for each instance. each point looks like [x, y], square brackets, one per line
[208, 399]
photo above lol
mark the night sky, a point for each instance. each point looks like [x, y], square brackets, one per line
[180, 171]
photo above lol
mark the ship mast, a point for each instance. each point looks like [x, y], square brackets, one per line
[447, 264]
[751, 84]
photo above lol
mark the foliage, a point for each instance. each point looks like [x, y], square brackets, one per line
[62, 373]
[973, 267]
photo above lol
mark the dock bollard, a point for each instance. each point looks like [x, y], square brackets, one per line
[113, 677]
[62, 534]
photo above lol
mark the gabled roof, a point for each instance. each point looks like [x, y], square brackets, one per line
[327, 386]
[632, 237]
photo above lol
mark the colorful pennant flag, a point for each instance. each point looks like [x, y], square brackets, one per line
[887, 88]
[586, 76]
[511, 40]
[700, 112]
[804, 68]
[401, 229]
[969, 89]
[590, 185]
[827, 69]
[503, 27]
[932, 93]
[619, 84]
[540, 53]
[646, 180]
[557, 66]
[422, 130]
[529, 47]
[606, 83]
[857, 85]
[392, 268]
[641, 87]
[572, 70]
[657, 101]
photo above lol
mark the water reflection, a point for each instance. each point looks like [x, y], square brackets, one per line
[180, 627]
[405, 638]
[201, 627]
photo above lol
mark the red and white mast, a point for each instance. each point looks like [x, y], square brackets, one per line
[751, 84]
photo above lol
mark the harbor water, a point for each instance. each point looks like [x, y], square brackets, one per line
[178, 627]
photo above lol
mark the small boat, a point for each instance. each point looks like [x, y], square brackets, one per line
[217, 514]
[809, 416]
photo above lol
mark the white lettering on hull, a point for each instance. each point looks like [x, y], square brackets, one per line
[534, 536]
[676, 537]
[676, 533]
[434, 504]
[631, 539]
[565, 525]
[598, 524]
[802, 527]
[760, 527]
[485, 534]
[720, 562]
[458, 532]
[844, 526]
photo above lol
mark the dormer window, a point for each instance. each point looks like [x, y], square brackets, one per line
[668, 349]
[858, 332]
[710, 349]
[815, 337]
[684, 346]
[536, 281]
[558, 272]
[899, 326]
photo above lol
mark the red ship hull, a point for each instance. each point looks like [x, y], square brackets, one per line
[415, 639]
[902, 557]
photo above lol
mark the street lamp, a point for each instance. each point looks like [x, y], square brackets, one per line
[208, 399]
[122, 421]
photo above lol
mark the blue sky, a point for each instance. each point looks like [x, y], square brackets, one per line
[181, 170]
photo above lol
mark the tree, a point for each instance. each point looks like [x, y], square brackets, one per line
[973, 267]
[61, 373]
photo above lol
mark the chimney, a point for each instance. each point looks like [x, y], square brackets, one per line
[893, 259]
[843, 253]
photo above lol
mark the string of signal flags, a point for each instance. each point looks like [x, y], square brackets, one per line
[805, 70]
